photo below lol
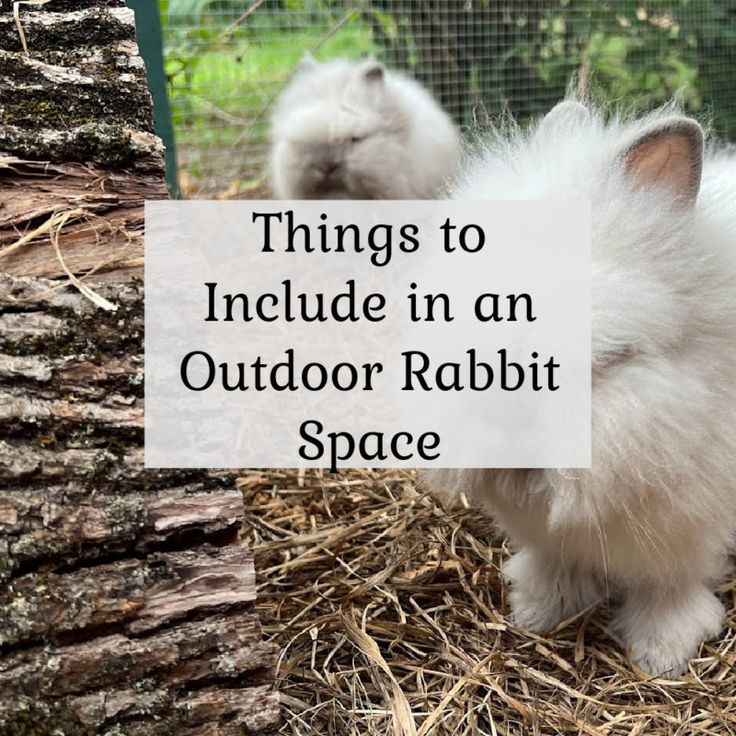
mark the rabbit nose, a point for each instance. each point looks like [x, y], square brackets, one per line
[331, 167]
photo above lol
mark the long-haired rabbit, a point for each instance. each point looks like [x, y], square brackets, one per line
[347, 130]
[650, 524]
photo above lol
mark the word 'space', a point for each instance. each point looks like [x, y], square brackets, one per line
[341, 446]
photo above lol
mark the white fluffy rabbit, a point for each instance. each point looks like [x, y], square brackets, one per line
[650, 525]
[346, 130]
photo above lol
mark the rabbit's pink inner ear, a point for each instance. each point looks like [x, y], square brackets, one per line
[670, 157]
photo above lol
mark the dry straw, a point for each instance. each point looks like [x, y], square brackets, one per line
[18, 24]
[52, 228]
[392, 619]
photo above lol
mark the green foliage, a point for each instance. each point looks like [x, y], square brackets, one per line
[521, 54]
[711, 25]
[223, 78]
[227, 61]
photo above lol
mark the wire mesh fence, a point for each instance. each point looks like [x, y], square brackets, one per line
[227, 61]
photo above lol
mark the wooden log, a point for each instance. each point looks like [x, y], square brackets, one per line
[126, 597]
[64, 525]
[135, 596]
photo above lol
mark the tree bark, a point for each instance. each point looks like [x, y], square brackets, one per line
[126, 597]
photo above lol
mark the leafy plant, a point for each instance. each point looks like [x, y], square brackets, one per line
[227, 59]
[521, 54]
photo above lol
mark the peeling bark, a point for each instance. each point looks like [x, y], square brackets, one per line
[126, 598]
[63, 526]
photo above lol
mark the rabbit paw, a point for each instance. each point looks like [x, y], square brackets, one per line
[544, 593]
[664, 629]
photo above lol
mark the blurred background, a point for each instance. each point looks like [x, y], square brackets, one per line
[226, 61]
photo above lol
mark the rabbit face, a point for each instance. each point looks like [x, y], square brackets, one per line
[337, 133]
[642, 181]
[343, 130]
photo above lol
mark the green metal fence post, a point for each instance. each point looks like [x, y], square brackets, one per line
[150, 41]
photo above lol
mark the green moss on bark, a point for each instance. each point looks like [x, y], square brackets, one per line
[63, 6]
[111, 146]
[98, 28]
[66, 106]
[34, 720]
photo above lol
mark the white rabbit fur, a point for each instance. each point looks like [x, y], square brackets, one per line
[650, 524]
[354, 130]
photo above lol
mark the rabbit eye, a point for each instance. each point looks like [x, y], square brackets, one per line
[357, 138]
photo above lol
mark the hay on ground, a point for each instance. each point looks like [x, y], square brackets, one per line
[391, 615]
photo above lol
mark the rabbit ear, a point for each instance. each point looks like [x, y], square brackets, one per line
[668, 154]
[373, 71]
[307, 62]
[565, 115]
